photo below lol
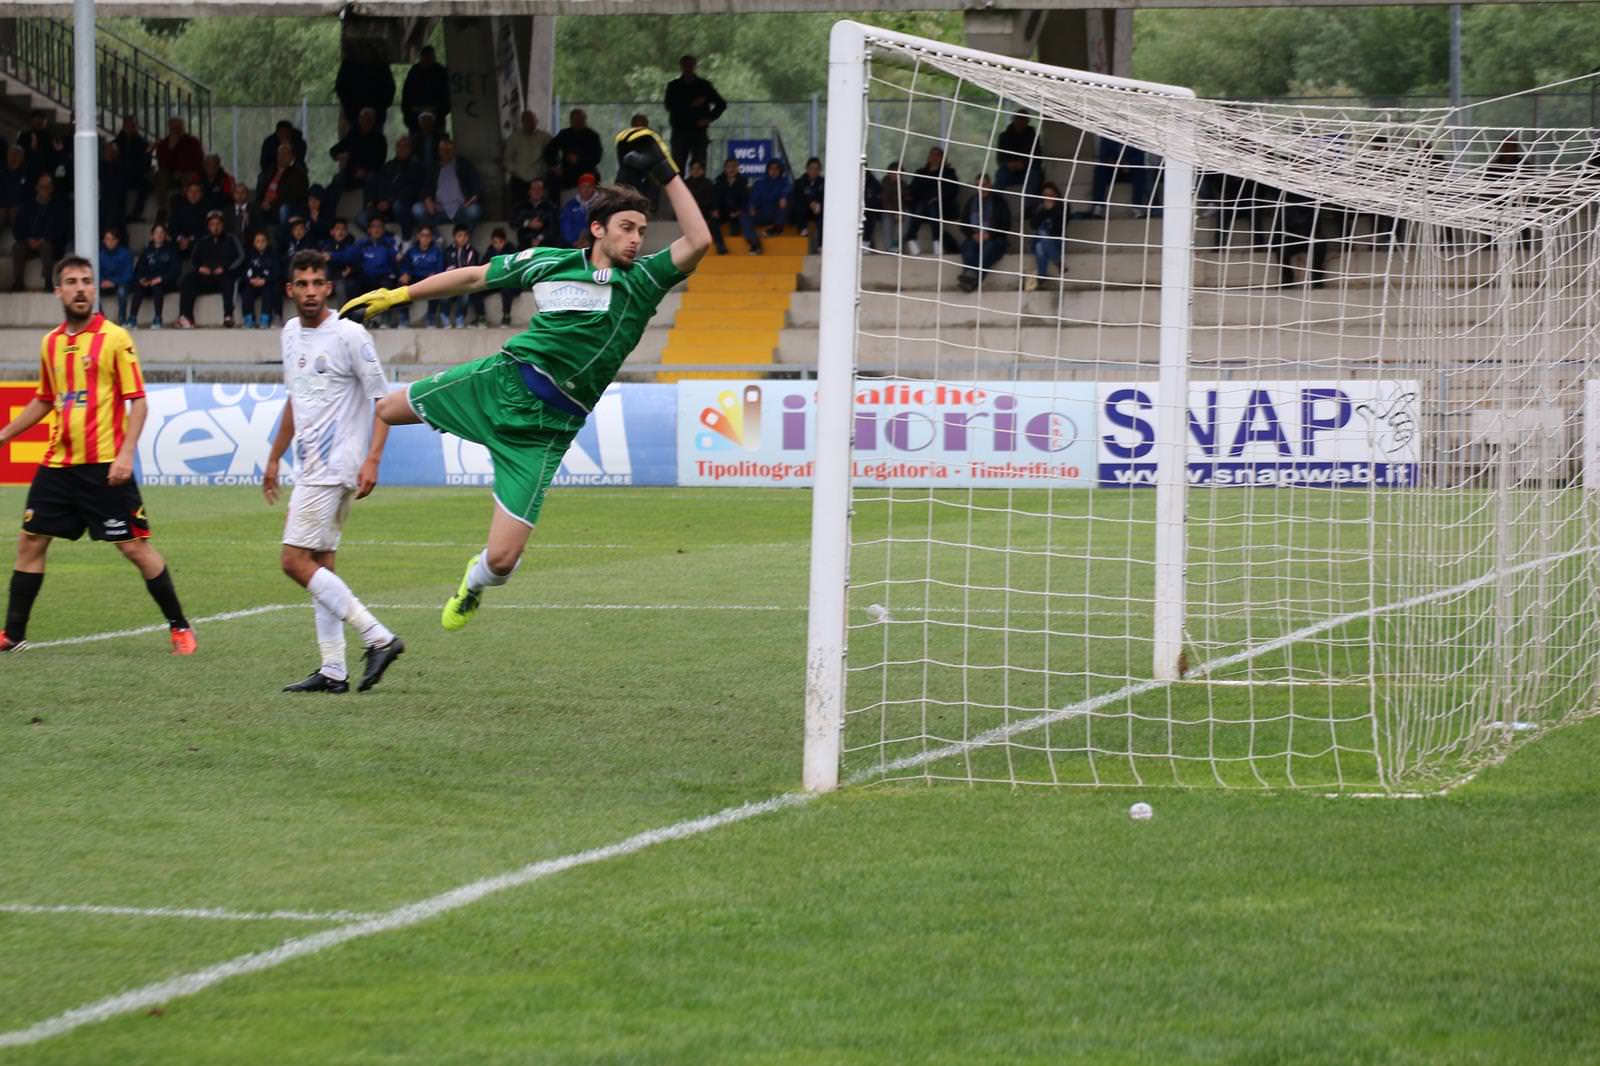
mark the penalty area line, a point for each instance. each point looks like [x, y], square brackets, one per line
[219, 914]
[188, 984]
[225, 616]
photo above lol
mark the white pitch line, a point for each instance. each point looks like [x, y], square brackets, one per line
[188, 984]
[225, 616]
[214, 913]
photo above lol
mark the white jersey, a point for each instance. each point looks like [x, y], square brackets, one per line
[333, 375]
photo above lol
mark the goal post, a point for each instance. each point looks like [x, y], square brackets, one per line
[1192, 442]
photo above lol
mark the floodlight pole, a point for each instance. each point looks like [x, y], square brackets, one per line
[85, 139]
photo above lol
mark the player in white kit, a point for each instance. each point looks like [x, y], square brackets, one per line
[331, 369]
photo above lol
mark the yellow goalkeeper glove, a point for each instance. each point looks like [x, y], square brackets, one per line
[642, 149]
[371, 304]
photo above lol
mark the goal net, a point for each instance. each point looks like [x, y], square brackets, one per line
[1166, 441]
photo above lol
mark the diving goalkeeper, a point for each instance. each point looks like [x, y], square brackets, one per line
[526, 402]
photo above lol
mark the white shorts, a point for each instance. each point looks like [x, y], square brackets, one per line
[316, 516]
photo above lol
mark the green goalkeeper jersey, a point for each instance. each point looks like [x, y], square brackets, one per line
[588, 319]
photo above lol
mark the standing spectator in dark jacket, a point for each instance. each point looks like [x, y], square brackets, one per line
[427, 88]
[359, 154]
[285, 133]
[452, 191]
[931, 199]
[186, 219]
[538, 220]
[1018, 145]
[806, 203]
[113, 192]
[179, 157]
[42, 231]
[499, 244]
[133, 154]
[218, 182]
[214, 263]
[15, 185]
[38, 143]
[769, 198]
[573, 152]
[116, 273]
[705, 197]
[364, 80]
[155, 275]
[261, 283]
[987, 220]
[1048, 224]
[693, 104]
[395, 188]
[461, 253]
[281, 192]
[425, 141]
[733, 205]
[423, 259]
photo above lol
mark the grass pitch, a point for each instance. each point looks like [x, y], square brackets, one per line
[611, 689]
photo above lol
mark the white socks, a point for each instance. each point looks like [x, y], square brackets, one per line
[330, 638]
[481, 577]
[335, 596]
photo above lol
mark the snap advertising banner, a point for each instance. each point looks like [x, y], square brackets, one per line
[1302, 433]
[976, 433]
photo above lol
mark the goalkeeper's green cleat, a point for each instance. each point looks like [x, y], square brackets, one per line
[459, 609]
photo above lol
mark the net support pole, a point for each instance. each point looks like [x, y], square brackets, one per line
[1172, 406]
[836, 340]
[85, 141]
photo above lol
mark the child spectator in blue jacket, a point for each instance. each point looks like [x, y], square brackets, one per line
[575, 213]
[261, 282]
[422, 260]
[373, 259]
[116, 273]
[155, 275]
[769, 199]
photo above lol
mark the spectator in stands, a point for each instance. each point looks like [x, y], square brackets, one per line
[281, 192]
[242, 216]
[179, 157]
[524, 157]
[987, 221]
[538, 220]
[1116, 162]
[704, 191]
[573, 152]
[375, 258]
[575, 212]
[423, 259]
[499, 244]
[693, 104]
[931, 198]
[284, 133]
[1048, 224]
[451, 194]
[319, 213]
[337, 244]
[425, 139]
[885, 219]
[427, 88]
[61, 153]
[42, 230]
[186, 219]
[261, 283]
[1298, 231]
[15, 185]
[364, 80]
[359, 155]
[213, 265]
[461, 253]
[218, 182]
[807, 203]
[1018, 145]
[395, 188]
[769, 198]
[38, 146]
[155, 275]
[133, 153]
[113, 192]
[116, 273]
[733, 205]
[298, 240]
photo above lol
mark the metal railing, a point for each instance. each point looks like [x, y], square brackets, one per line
[128, 80]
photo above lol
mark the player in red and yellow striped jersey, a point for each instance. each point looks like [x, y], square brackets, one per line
[89, 376]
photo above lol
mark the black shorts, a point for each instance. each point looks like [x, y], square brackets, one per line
[63, 501]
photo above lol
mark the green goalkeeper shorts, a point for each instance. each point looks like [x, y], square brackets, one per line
[486, 401]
